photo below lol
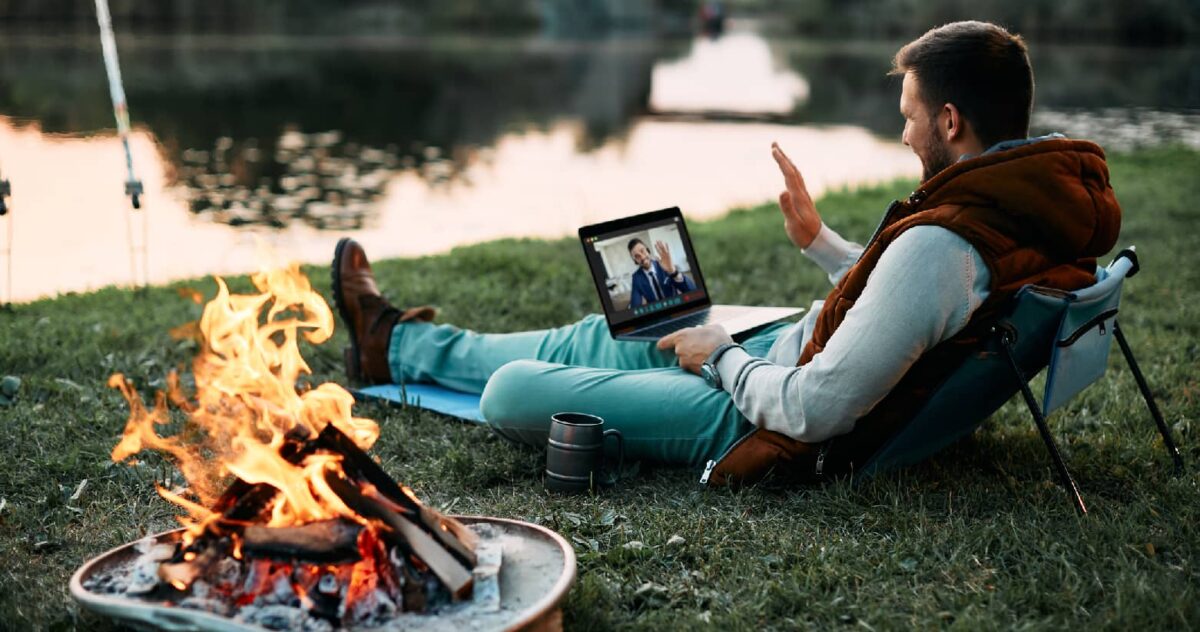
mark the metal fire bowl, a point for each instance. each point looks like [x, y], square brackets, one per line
[537, 570]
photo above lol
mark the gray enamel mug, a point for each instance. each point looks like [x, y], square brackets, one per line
[575, 453]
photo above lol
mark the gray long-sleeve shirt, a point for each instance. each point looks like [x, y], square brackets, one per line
[924, 289]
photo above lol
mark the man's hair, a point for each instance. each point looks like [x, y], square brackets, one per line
[979, 67]
[635, 241]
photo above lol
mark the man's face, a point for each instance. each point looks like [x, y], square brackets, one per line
[641, 256]
[922, 131]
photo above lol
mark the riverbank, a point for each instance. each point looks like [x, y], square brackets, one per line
[980, 536]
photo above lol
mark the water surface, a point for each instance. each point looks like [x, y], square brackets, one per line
[418, 145]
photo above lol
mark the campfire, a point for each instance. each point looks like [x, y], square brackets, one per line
[288, 522]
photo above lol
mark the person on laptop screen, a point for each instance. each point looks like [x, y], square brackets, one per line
[653, 280]
[995, 211]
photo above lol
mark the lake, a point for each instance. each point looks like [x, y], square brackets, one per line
[417, 145]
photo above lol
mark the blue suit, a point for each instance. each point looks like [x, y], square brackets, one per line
[642, 292]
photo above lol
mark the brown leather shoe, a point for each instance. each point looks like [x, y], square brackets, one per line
[369, 317]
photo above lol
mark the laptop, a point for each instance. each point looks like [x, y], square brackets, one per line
[650, 283]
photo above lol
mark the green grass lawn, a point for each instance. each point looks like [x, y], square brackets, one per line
[979, 537]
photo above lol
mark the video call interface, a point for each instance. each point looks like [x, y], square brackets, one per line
[644, 269]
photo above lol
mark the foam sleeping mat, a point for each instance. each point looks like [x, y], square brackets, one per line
[464, 406]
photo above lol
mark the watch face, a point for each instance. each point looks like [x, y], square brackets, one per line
[711, 376]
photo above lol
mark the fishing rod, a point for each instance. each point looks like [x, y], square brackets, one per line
[116, 89]
[5, 192]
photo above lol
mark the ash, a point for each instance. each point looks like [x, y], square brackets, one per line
[278, 607]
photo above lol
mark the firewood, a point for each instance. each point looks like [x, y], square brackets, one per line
[451, 533]
[247, 500]
[244, 501]
[359, 464]
[326, 541]
[458, 579]
[403, 532]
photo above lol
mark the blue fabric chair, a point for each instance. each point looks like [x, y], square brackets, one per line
[1069, 332]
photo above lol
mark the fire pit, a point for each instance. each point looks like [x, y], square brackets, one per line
[537, 571]
[290, 523]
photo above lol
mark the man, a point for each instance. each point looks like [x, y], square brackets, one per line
[653, 281]
[995, 211]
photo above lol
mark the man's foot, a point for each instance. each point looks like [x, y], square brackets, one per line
[367, 315]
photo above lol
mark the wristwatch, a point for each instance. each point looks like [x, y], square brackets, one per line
[708, 370]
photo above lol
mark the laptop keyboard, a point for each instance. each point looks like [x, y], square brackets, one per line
[693, 320]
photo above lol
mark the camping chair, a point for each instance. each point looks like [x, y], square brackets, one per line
[1071, 332]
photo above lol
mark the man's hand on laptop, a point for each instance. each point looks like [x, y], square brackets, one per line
[694, 344]
[800, 217]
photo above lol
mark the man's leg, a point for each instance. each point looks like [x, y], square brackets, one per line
[664, 414]
[465, 360]
[388, 344]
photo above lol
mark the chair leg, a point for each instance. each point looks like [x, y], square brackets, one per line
[1034, 409]
[1149, 397]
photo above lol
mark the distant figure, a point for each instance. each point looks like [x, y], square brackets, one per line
[712, 18]
[655, 280]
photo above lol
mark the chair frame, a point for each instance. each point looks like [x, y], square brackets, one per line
[1007, 335]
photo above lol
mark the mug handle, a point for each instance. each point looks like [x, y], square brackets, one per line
[612, 480]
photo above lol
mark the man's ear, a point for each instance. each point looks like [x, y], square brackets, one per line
[954, 125]
[952, 122]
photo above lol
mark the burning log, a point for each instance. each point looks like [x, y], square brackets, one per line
[327, 541]
[245, 501]
[451, 533]
[404, 533]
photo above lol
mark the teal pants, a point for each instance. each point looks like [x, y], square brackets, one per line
[664, 413]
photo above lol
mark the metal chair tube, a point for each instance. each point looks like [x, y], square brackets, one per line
[1149, 397]
[1007, 341]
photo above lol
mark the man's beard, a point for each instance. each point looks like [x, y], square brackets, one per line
[937, 159]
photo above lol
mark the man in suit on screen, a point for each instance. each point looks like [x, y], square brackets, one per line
[655, 280]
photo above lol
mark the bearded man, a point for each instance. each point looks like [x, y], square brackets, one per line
[995, 210]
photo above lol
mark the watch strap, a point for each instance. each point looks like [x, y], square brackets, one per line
[715, 356]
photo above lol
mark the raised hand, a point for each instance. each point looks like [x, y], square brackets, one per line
[800, 218]
[664, 257]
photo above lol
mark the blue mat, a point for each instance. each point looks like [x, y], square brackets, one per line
[464, 406]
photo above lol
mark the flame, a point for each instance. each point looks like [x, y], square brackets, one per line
[247, 401]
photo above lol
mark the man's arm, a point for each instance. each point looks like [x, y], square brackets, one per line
[672, 275]
[923, 291]
[803, 224]
[834, 254]
[801, 221]
[683, 284]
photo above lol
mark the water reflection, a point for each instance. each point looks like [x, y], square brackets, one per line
[315, 179]
[732, 74]
[1122, 129]
[850, 85]
[534, 183]
[420, 145]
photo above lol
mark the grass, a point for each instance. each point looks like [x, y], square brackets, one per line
[978, 537]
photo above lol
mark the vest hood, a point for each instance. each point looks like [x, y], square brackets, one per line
[1057, 189]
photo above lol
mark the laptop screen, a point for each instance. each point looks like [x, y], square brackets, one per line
[644, 266]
